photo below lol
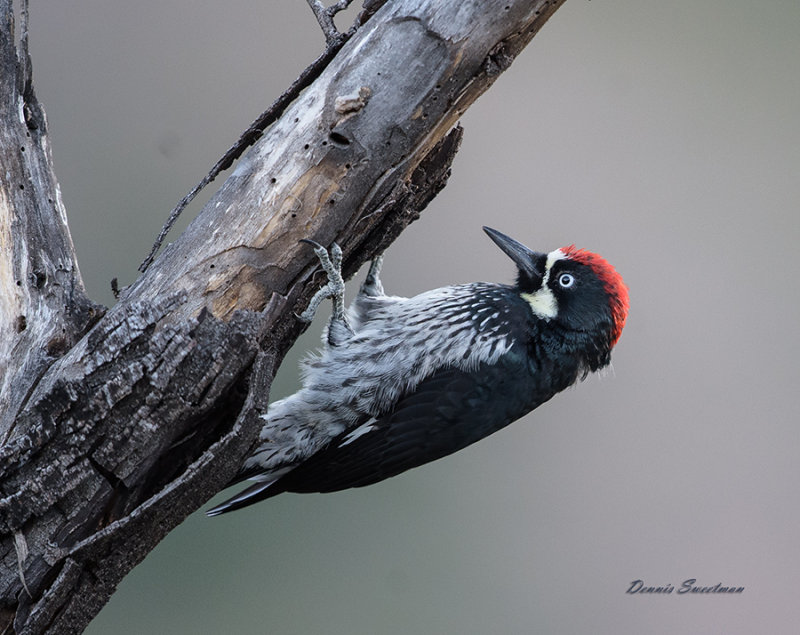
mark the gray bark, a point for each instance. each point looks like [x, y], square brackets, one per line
[115, 425]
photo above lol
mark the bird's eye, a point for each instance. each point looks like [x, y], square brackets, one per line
[566, 280]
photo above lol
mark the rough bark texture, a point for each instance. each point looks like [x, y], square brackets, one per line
[115, 426]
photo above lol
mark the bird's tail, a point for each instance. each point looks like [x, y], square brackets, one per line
[258, 491]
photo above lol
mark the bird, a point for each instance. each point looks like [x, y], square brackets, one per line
[401, 381]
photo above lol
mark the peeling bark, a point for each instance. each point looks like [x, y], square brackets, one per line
[117, 424]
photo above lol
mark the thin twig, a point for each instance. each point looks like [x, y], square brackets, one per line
[325, 18]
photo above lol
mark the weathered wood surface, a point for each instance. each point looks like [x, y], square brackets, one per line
[116, 425]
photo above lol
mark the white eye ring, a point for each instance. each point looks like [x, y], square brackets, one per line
[566, 280]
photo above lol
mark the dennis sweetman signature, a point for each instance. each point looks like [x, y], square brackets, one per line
[687, 586]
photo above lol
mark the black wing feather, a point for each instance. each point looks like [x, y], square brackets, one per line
[446, 412]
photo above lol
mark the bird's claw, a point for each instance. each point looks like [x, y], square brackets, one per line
[331, 263]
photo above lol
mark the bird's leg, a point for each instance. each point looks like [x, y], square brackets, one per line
[339, 328]
[372, 283]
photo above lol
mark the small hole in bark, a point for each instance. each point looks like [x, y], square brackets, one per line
[339, 138]
[21, 186]
[305, 147]
[22, 323]
[56, 347]
[211, 266]
[273, 180]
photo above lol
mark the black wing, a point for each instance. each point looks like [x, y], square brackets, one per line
[446, 412]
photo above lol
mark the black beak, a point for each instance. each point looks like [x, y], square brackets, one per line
[530, 263]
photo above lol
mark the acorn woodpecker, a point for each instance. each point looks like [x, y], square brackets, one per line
[404, 381]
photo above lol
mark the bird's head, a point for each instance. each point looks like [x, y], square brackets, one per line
[577, 290]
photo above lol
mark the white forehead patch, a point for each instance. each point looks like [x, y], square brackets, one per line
[543, 302]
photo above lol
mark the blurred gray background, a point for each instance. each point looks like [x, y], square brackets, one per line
[665, 136]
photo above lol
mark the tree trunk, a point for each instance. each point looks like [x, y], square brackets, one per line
[115, 425]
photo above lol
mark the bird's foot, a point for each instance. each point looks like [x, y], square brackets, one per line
[334, 288]
[372, 283]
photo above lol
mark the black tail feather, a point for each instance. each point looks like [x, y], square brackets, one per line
[257, 492]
